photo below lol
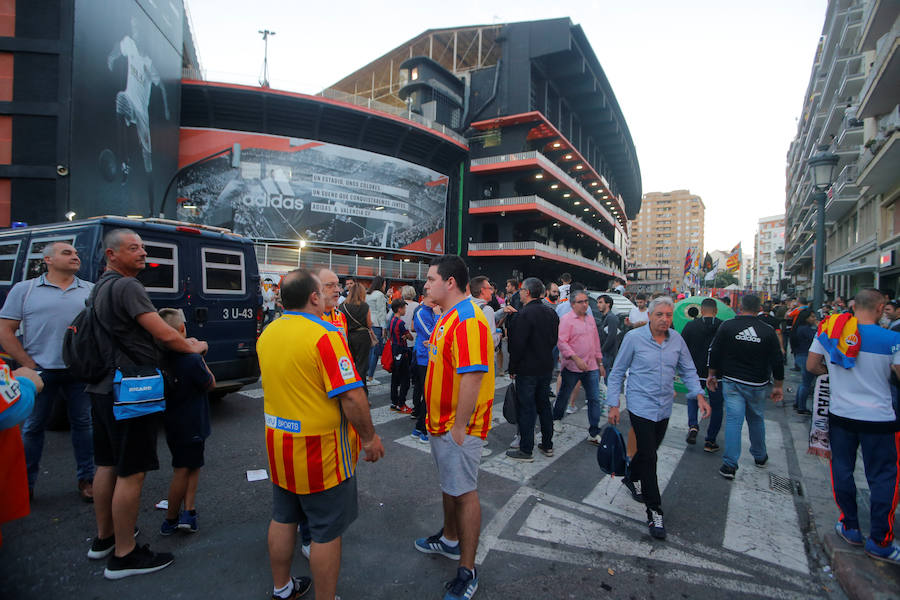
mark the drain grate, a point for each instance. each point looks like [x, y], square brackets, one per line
[784, 485]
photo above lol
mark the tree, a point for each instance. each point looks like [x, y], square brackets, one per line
[724, 279]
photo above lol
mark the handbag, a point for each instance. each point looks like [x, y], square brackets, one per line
[510, 404]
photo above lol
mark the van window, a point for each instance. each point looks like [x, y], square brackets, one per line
[161, 271]
[223, 271]
[8, 253]
[34, 264]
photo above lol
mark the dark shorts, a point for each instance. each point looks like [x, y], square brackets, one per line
[186, 455]
[328, 513]
[128, 445]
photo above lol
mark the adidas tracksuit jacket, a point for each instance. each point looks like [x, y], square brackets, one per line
[746, 350]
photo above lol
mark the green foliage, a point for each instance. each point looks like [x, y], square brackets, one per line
[724, 279]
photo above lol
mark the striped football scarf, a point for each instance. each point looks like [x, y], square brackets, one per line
[839, 334]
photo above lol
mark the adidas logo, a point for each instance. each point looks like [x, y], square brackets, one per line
[748, 335]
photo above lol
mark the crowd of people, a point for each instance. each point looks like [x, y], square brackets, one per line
[447, 342]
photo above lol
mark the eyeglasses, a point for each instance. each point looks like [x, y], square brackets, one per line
[333, 285]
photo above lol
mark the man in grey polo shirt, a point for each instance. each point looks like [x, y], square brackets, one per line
[42, 308]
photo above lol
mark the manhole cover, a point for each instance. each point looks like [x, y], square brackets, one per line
[784, 485]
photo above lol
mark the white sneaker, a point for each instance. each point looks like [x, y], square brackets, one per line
[557, 426]
[304, 549]
[570, 410]
[594, 439]
[515, 441]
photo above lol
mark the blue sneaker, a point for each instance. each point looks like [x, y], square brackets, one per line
[434, 545]
[188, 522]
[888, 554]
[463, 586]
[168, 527]
[851, 536]
[423, 437]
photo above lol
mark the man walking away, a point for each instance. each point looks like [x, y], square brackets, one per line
[862, 415]
[459, 392]
[423, 323]
[531, 363]
[582, 361]
[698, 335]
[745, 354]
[316, 420]
[42, 309]
[609, 332]
[652, 356]
[124, 450]
[804, 333]
[565, 286]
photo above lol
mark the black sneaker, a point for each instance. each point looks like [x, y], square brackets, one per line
[139, 561]
[519, 455]
[762, 463]
[301, 586]
[710, 447]
[655, 524]
[103, 547]
[545, 451]
[727, 472]
[692, 435]
[635, 488]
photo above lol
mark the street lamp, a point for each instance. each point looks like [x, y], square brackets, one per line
[771, 277]
[821, 167]
[779, 257]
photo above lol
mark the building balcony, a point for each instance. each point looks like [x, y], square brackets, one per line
[878, 171]
[878, 16]
[843, 195]
[879, 93]
[538, 204]
[851, 135]
[852, 26]
[853, 78]
[533, 159]
[537, 249]
[802, 256]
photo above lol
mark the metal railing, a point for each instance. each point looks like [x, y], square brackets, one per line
[551, 208]
[280, 258]
[591, 264]
[397, 111]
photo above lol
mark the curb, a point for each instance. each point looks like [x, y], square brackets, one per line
[861, 577]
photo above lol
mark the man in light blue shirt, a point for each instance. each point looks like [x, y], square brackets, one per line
[42, 308]
[652, 356]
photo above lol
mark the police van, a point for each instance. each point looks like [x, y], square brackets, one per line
[208, 272]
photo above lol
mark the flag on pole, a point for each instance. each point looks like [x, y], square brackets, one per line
[733, 263]
[711, 274]
[707, 263]
[696, 265]
[687, 261]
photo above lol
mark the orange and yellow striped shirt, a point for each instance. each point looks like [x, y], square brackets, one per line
[337, 318]
[305, 365]
[460, 343]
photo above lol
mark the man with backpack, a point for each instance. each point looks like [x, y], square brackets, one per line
[698, 335]
[125, 448]
[41, 309]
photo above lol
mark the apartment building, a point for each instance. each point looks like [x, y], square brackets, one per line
[668, 225]
[851, 110]
[768, 239]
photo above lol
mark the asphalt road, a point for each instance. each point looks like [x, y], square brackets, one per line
[556, 528]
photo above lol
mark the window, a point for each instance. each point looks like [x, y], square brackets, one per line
[161, 272]
[223, 271]
[34, 263]
[9, 251]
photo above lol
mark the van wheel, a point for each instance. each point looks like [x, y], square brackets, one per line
[59, 416]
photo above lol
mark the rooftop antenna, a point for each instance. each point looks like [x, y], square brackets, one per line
[265, 33]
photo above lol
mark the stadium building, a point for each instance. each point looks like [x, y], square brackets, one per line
[503, 143]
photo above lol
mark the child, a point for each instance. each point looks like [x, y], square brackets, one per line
[187, 426]
[400, 372]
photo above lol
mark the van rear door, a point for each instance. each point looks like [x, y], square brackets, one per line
[227, 311]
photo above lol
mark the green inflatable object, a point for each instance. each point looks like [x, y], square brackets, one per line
[680, 318]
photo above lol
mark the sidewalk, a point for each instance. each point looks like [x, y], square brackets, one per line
[859, 576]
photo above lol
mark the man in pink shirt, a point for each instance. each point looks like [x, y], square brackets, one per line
[579, 351]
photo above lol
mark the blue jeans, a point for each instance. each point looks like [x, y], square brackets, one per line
[533, 395]
[742, 401]
[716, 402]
[375, 355]
[590, 381]
[806, 385]
[58, 382]
[879, 452]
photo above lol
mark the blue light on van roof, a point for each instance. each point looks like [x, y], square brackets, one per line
[19, 224]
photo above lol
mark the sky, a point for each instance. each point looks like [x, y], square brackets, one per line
[711, 89]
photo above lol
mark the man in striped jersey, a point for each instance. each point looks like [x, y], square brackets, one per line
[459, 393]
[317, 418]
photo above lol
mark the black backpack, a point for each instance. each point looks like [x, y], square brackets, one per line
[86, 349]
